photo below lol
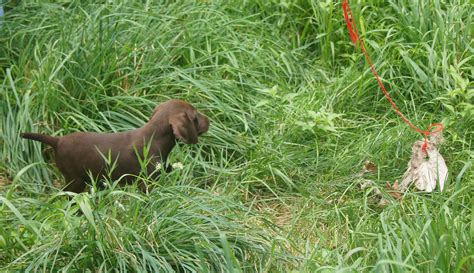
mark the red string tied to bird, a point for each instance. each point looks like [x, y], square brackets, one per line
[356, 39]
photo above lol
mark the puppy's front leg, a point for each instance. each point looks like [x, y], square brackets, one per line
[168, 168]
[154, 169]
[144, 187]
[75, 185]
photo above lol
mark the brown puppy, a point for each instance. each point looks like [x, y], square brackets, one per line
[80, 154]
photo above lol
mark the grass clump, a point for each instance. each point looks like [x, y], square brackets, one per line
[174, 229]
[295, 111]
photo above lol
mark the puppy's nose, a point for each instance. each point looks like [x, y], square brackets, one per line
[204, 124]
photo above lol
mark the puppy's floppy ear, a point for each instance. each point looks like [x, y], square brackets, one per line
[183, 128]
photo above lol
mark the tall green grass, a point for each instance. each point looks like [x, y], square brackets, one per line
[294, 111]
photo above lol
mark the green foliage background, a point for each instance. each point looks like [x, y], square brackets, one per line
[295, 112]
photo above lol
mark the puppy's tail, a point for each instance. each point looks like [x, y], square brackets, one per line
[50, 140]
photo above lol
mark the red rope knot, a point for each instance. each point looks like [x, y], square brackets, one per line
[354, 33]
[428, 132]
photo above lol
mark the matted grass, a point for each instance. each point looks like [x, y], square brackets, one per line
[295, 112]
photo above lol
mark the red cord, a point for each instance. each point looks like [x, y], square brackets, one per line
[354, 33]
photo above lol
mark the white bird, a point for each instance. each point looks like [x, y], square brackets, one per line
[426, 170]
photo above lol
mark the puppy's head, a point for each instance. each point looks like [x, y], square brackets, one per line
[185, 121]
